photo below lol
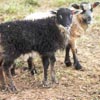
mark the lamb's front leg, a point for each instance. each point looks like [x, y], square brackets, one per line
[52, 73]
[45, 61]
[67, 56]
[74, 51]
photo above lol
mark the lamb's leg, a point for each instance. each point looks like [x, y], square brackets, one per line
[52, 73]
[13, 70]
[2, 75]
[76, 62]
[45, 61]
[67, 57]
[3, 79]
[31, 66]
[9, 80]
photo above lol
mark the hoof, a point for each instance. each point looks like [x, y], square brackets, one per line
[33, 71]
[9, 89]
[55, 81]
[46, 84]
[78, 66]
[82, 69]
[13, 74]
[68, 63]
[12, 89]
[5, 89]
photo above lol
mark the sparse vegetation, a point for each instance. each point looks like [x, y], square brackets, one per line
[73, 85]
[11, 9]
[32, 2]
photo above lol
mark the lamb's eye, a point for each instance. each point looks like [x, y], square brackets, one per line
[71, 16]
[61, 16]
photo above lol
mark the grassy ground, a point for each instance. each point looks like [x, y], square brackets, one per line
[73, 85]
[11, 9]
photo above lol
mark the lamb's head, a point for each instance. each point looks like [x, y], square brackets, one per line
[64, 16]
[87, 10]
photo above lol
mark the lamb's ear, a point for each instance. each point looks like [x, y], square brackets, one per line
[76, 12]
[54, 12]
[76, 6]
[95, 4]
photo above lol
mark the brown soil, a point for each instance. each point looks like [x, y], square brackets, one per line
[73, 84]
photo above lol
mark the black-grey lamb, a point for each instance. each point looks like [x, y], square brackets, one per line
[44, 36]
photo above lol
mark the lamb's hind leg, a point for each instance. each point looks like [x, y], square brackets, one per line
[31, 66]
[2, 75]
[3, 79]
[13, 73]
[9, 80]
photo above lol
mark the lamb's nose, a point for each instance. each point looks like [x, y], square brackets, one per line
[89, 18]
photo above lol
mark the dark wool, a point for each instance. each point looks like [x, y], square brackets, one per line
[20, 37]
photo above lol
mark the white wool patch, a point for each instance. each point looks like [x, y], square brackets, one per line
[38, 15]
[87, 6]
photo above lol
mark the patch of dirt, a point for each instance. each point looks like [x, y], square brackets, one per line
[73, 84]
